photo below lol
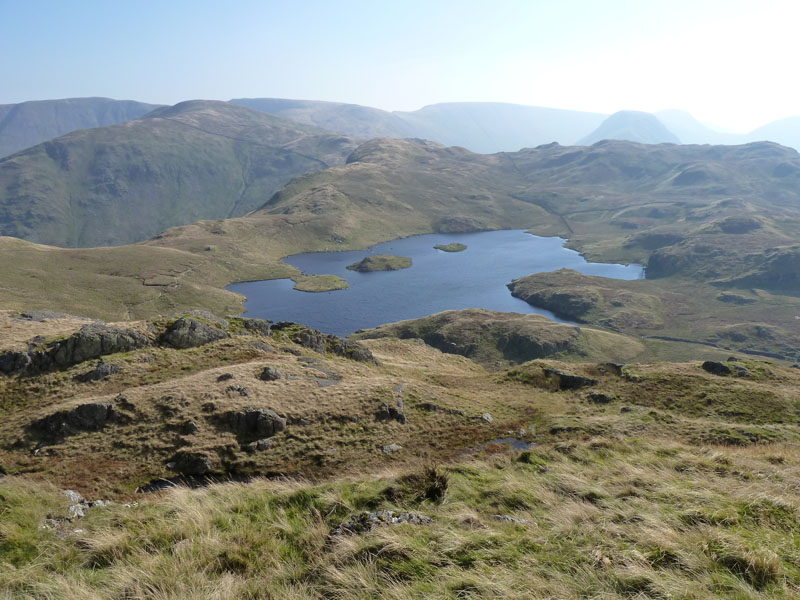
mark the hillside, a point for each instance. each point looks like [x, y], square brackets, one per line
[29, 123]
[632, 126]
[478, 126]
[406, 472]
[125, 183]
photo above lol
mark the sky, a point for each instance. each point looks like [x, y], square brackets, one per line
[730, 63]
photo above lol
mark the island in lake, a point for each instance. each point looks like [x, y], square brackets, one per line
[380, 262]
[454, 247]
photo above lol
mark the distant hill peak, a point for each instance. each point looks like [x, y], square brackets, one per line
[633, 126]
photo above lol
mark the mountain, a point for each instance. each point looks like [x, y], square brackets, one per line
[29, 123]
[784, 131]
[124, 183]
[633, 126]
[691, 131]
[478, 126]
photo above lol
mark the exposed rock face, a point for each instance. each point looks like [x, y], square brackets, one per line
[189, 333]
[392, 448]
[90, 341]
[568, 381]
[257, 326]
[255, 424]
[325, 343]
[101, 371]
[391, 413]
[86, 417]
[366, 521]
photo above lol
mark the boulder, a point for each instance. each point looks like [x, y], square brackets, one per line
[225, 377]
[568, 381]
[254, 424]
[716, 368]
[391, 413]
[190, 333]
[392, 448]
[270, 373]
[101, 371]
[190, 463]
[64, 423]
[258, 326]
[323, 342]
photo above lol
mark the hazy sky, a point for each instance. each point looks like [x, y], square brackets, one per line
[731, 63]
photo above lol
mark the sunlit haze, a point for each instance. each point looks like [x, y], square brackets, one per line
[729, 63]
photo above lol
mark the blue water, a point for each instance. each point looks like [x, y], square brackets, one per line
[437, 281]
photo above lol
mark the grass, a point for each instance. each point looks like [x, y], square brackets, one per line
[319, 283]
[601, 518]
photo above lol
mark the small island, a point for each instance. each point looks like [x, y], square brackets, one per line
[380, 262]
[454, 247]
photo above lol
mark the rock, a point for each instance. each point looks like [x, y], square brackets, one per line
[238, 389]
[390, 413]
[600, 398]
[488, 418]
[366, 521]
[324, 343]
[3, 472]
[258, 326]
[625, 409]
[225, 377]
[258, 445]
[76, 511]
[741, 371]
[392, 448]
[510, 519]
[270, 373]
[255, 424]
[263, 346]
[101, 371]
[86, 417]
[74, 497]
[190, 463]
[615, 368]
[568, 381]
[716, 368]
[189, 333]
[90, 341]
[189, 428]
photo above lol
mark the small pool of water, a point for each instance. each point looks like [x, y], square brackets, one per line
[436, 281]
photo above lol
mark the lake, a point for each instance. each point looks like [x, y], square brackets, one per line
[437, 280]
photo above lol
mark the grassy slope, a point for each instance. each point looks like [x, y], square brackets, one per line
[125, 183]
[686, 493]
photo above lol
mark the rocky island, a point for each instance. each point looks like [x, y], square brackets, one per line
[380, 262]
[454, 247]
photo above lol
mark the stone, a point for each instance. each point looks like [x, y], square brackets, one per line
[366, 521]
[255, 424]
[392, 448]
[189, 428]
[625, 409]
[258, 445]
[74, 497]
[86, 417]
[716, 368]
[600, 398]
[391, 413]
[270, 373]
[238, 389]
[101, 371]
[510, 519]
[324, 343]
[225, 377]
[263, 346]
[615, 368]
[487, 418]
[258, 326]
[190, 333]
[76, 511]
[568, 381]
[190, 463]
[741, 371]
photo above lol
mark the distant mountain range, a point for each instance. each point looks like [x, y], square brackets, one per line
[29, 123]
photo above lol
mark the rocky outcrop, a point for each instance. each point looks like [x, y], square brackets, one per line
[101, 371]
[568, 381]
[90, 341]
[190, 463]
[716, 368]
[392, 413]
[190, 333]
[64, 423]
[257, 326]
[254, 424]
[366, 521]
[270, 373]
[324, 343]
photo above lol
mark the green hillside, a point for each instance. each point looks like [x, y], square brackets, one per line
[125, 183]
